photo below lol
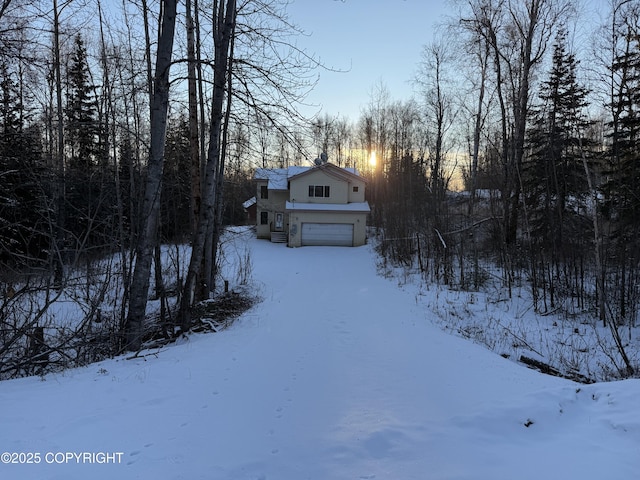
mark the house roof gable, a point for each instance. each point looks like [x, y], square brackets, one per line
[278, 178]
[346, 174]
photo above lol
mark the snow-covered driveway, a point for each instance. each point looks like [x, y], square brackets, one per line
[337, 374]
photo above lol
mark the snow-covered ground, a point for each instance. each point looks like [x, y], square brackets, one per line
[336, 374]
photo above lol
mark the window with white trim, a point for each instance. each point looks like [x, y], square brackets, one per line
[319, 191]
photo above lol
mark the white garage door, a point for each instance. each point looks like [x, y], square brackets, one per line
[336, 234]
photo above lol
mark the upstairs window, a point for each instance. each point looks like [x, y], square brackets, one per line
[319, 191]
[355, 189]
[264, 191]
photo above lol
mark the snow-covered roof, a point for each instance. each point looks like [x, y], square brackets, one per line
[248, 203]
[335, 171]
[278, 177]
[329, 207]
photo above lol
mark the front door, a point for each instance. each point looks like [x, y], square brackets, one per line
[279, 226]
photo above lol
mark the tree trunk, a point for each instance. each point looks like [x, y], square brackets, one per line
[122, 234]
[219, 200]
[600, 272]
[224, 29]
[58, 251]
[477, 129]
[194, 148]
[151, 201]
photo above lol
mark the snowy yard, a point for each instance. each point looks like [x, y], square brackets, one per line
[337, 374]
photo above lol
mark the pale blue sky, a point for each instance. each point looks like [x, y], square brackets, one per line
[376, 41]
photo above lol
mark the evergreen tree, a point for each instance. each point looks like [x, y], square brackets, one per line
[554, 184]
[82, 127]
[90, 191]
[129, 186]
[622, 189]
[23, 182]
[176, 191]
[10, 104]
[553, 174]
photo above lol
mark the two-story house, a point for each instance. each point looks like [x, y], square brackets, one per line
[319, 205]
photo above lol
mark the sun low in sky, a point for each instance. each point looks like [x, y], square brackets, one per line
[372, 159]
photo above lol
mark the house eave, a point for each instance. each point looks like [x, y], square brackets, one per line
[333, 171]
[354, 207]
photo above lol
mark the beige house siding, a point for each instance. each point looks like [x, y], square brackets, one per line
[341, 189]
[275, 203]
[300, 188]
[296, 219]
[356, 196]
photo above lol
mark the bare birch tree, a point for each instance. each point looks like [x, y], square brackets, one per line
[224, 28]
[440, 112]
[194, 134]
[478, 50]
[58, 260]
[151, 201]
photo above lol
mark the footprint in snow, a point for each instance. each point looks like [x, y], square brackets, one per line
[133, 454]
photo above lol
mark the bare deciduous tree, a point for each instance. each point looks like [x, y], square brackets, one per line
[151, 201]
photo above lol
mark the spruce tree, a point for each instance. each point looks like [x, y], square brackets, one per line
[554, 184]
[553, 175]
[90, 191]
[176, 190]
[82, 107]
[23, 211]
[622, 188]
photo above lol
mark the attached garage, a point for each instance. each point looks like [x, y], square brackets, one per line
[332, 234]
[316, 224]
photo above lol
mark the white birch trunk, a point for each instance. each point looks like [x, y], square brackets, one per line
[223, 31]
[151, 201]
